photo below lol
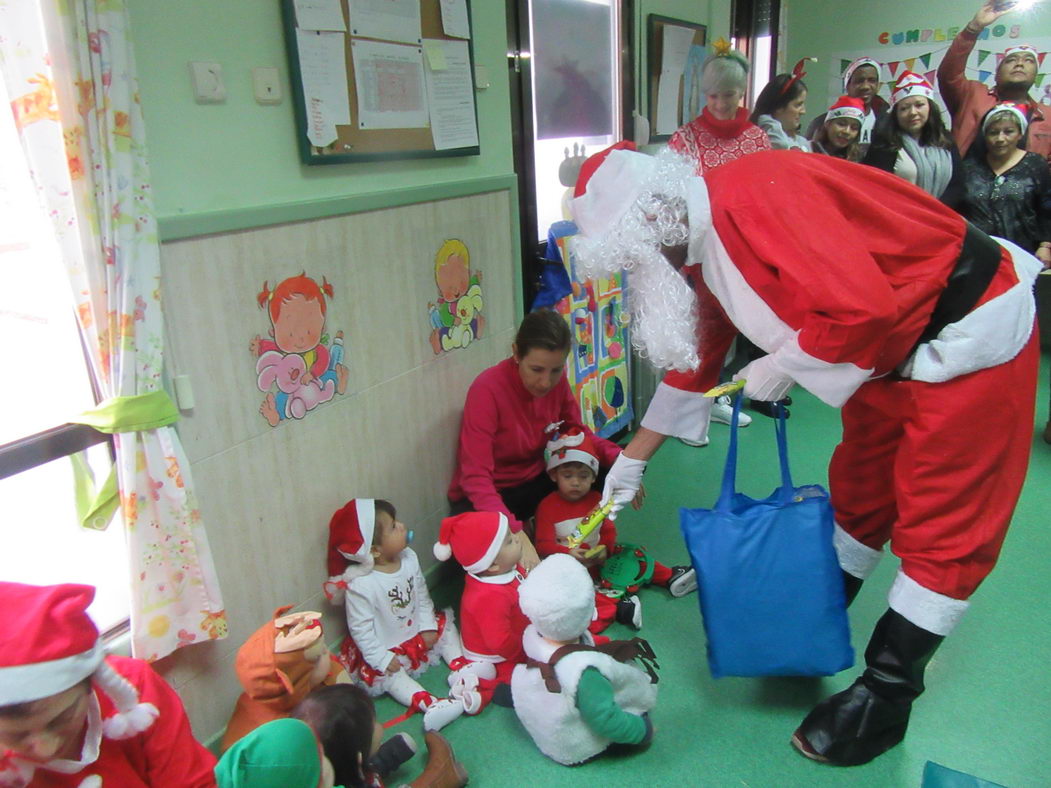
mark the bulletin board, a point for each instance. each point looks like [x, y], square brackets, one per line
[432, 74]
[676, 51]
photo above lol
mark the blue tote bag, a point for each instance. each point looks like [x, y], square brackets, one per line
[769, 583]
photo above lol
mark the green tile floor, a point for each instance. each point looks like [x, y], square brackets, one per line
[987, 710]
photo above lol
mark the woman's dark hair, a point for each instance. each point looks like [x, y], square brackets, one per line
[544, 329]
[342, 717]
[889, 133]
[774, 96]
[26, 708]
[388, 509]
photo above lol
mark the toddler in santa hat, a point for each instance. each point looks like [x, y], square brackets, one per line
[573, 465]
[574, 698]
[491, 622]
[71, 716]
[395, 633]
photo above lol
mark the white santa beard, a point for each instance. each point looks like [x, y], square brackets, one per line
[663, 310]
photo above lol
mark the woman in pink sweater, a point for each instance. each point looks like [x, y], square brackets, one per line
[500, 458]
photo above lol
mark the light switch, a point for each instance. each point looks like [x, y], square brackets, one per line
[266, 85]
[207, 79]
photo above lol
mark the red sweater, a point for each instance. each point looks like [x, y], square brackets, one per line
[502, 436]
[556, 518]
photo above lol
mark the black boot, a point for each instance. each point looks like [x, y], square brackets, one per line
[869, 717]
[851, 585]
[392, 754]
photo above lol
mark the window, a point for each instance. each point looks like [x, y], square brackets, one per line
[46, 379]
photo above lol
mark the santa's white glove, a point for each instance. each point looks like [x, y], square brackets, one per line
[764, 381]
[622, 483]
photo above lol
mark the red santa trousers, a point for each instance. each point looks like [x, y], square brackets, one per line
[936, 469]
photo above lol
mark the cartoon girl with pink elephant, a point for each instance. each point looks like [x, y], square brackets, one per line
[297, 359]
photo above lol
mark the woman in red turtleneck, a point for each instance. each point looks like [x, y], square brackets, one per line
[722, 132]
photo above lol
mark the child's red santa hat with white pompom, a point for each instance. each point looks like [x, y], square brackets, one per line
[911, 84]
[54, 646]
[349, 545]
[474, 538]
[572, 445]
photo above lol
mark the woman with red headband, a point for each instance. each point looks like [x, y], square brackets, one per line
[780, 108]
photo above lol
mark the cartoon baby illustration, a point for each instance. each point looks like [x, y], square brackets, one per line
[456, 319]
[297, 358]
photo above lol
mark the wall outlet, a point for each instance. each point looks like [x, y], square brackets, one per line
[266, 85]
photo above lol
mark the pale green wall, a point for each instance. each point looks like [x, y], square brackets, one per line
[820, 27]
[240, 155]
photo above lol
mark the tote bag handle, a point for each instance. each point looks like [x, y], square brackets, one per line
[729, 486]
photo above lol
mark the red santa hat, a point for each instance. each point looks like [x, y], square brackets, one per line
[855, 65]
[474, 538]
[1022, 49]
[911, 84]
[349, 545]
[54, 646]
[1018, 111]
[846, 107]
[558, 597]
[573, 445]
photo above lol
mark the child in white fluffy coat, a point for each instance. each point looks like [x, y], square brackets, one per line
[575, 702]
[395, 634]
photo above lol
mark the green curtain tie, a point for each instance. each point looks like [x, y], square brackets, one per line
[131, 414]
[96, 506]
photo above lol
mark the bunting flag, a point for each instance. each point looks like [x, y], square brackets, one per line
[910, 63]
[843, 65]
[1040, 59]
[999, 59]
[931, 75]
[893, 66]
[983, 76]
[926, 59]
[1039, 79]
[982, 55]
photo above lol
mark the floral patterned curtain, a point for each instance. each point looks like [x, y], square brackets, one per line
[69, 70]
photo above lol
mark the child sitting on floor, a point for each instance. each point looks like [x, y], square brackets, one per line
[573, 465]
[574, 698]
[71, 716]
[282, 753]
[343, 718]
[395, 634]
[490, 619]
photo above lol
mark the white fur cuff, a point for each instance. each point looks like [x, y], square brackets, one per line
[854, 557]
[928, 609]
[678, 413]
[832, 383]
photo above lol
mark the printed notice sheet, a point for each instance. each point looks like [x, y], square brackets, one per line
[454, 18]
[450, 97]
[319, 15]
[322, 63]
[391, 20]
[675, 48]
[390, 85]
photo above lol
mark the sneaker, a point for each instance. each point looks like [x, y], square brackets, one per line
[723, 411]
[683, 580]
[465, 667]
[441, 712]
[693, 443]
[629, 612]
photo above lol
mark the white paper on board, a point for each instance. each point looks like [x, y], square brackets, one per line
[390, 20]
[454, 18]
[323, 70]
[390, 85]
[319, 15]
[675, 50]
[450, 98]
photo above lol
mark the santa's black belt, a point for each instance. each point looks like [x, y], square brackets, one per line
[975, 268]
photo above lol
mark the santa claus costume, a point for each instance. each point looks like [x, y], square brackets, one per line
[134, 731]
[491, 623]
[878, 299]
[386, 612]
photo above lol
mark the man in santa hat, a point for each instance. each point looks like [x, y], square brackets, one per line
[968, 99]
[861, 80]
[879, 300]
[71, 716]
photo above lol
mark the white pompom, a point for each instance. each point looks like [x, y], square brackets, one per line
[126, 724]
[442, 551]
